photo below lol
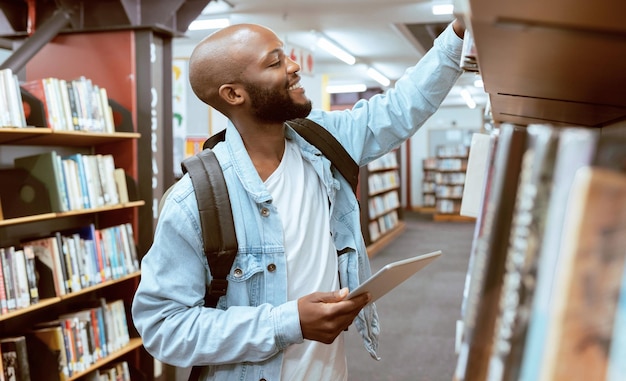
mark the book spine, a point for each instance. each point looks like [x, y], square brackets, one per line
[3, 294]
[31, 273]
[8, 279]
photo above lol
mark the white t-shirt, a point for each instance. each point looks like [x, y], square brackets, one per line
[302, 204]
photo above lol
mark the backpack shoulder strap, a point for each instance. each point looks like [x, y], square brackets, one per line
[213, 140]
[216, 219]
[330, 147]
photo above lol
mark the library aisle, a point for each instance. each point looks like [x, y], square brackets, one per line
[418, 318]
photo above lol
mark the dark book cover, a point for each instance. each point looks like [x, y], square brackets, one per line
[15, 358]
[45, 168]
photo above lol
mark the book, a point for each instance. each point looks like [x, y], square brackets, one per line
[14, 115]
[588, 283]
[576, 149]
[480, 218]
[45, 168]
[48, 265]
[22, 292]
[31, 274]
[8, 276]
[477, 168]
[40, 89]
[53, 338]
[81, 179]
[15, 358]
[120, 182]
[490, 252]
[525, 239]
[3, 294]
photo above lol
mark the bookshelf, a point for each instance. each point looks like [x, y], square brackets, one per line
[530, 57]
[451, 165]
[381, 219]
[126, 50]
[16, 229]
[429, 185]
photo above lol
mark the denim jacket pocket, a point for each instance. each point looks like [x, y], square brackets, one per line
[245, 282]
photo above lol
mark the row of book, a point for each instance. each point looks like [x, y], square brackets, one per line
[383, 224]
[383, 181]
[65, 262]
[77, 181]
[11, 110]
[73, 105]
[383, 203]
[545, 293]
[388, 161]
[68, 345]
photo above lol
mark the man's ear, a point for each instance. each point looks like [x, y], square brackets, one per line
[231, 94]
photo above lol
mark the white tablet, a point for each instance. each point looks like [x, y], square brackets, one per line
[390, 276]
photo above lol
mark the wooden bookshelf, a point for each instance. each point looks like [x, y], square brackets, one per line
[381, 212]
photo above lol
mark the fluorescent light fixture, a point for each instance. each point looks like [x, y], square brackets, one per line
[478, 82]
[443, 9]
[467, 97]
[378, 77]
[335, 50]
[207, 24]
[352, 88]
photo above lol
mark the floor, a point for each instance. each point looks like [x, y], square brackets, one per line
[418, 318]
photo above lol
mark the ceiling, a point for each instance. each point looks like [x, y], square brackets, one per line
[389, 35]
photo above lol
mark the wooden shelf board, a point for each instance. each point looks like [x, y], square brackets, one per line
[440, 217]
[45, 136]
[50, 216]
[51, 301]
[133, 344]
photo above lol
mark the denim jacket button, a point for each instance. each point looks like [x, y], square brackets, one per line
[238, 273]
[265, 212]
[271, 267]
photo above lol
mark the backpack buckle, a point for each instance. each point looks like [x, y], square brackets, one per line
[218, 287]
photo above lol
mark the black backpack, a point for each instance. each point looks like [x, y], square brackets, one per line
[220, 240]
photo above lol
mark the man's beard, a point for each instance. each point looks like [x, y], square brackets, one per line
[274, 106]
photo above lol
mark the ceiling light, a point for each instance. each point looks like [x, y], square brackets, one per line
[207, 24]
[467, 97]
[335, 50]
[378, 77]
[478, 82]
[352, 88]
[443, 9]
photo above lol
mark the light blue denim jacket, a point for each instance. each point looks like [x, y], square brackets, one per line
[244, 337]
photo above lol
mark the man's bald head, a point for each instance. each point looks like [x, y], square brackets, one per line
[221, 58]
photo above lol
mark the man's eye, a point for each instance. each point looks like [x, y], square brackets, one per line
[277, 63]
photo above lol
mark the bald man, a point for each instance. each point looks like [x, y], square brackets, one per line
[297, 221]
